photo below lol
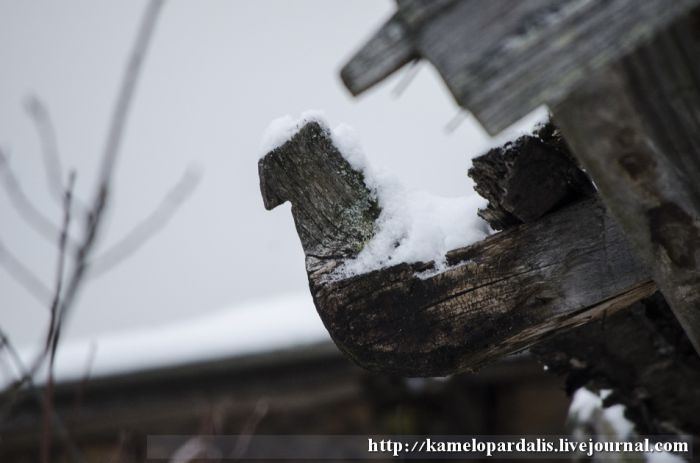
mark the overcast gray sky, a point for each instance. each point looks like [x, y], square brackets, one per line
[217, 73]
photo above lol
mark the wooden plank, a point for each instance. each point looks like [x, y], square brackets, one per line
[502, 59]
[385, 52]
[391, 46]
[497, 297]
[636, 130]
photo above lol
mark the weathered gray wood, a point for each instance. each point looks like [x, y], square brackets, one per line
[497, 297]
[502, 58]
[636, 130]
[334, 212]
[388, 50]
[391, 46]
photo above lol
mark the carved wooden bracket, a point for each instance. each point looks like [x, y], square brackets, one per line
[498, 296]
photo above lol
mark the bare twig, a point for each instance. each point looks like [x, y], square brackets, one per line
[126, 93]
[24, 206]
[23, 372]
[52, 338]
[39, 114]
[149, 227]
[49, 146]
[94, 217]
[101, 198]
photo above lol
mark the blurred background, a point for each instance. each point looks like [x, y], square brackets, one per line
[208, 327]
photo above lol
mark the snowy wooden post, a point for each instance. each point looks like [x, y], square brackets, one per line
[622, 78]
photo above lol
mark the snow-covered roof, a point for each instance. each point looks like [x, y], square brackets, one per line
[278, 323]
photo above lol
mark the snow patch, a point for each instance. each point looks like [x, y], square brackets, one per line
[280, 130]
[414, 225]
[587, 407]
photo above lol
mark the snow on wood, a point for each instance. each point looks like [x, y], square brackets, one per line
[592, 419]
[411, 226]
[491, 298]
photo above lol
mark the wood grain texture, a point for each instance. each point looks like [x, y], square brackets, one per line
[636, 130]
[501, 59]
[655, 377]
[497, 297]
[528, 178]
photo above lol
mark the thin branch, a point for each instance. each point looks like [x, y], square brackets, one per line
[149, 226]
[39, 114]
[94, 220]
[52, 338]
[24, 206]
[63, 299]
[128, 86]
[24, 276]
[49, 146]
[23, 372]
[61, 262]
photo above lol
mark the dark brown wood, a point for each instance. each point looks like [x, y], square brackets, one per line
[498, 296]
[644, 357]
[501, 59]
[636, 130]
[528, 178]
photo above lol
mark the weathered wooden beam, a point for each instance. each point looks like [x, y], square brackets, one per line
[387, 51]
[496, 297]
[636, 130]
[528, 178]
[501, 59]
[391, 46]
[656, 376]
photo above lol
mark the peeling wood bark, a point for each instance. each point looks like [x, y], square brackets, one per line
[636, 130]
[502, 59]
[497, 297]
